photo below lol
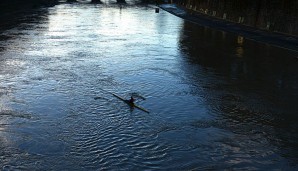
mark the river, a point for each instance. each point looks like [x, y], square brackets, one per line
[217, 100]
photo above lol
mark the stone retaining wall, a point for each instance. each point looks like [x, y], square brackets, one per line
[273, 15]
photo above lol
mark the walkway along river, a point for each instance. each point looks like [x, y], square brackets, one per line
[216, 100]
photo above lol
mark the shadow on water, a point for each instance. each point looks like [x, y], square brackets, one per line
[21, 20]
[255, 90]
[12, 11]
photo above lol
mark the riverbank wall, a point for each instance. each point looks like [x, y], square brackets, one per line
[272, 15]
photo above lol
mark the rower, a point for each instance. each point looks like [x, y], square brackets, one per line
[131, 100]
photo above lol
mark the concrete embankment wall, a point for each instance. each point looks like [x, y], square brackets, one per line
[273, 15]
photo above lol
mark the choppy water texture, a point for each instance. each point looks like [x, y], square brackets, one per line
[216, 100]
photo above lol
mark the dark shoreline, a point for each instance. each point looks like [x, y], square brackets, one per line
[273, 38]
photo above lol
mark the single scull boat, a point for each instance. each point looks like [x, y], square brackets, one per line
[130, 104]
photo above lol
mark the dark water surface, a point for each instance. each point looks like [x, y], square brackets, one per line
[216, 100]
